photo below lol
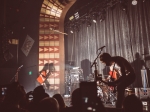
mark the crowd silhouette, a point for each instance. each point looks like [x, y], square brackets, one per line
[17, 100]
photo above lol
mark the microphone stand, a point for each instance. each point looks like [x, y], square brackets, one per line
[95, 65]
[16, 75]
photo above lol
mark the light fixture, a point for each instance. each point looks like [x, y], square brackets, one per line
[70, 27]
[71, 31]
[123, 5]
[134, 2]
[94, 17]
[124, 8]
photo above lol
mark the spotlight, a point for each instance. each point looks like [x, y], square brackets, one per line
[71, 31]
[94, 20]
[70, 27]
[124, 6]
[134, 2]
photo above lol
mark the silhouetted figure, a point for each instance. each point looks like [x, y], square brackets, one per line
[127, 75]
[60, 101]
[15, 94]
[137, 65]
[132, 104]
[86, 66]
[48, 105]
[76, 101]
[38, 95]
[44, 75]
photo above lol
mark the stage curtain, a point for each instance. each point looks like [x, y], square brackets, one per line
[124, 33]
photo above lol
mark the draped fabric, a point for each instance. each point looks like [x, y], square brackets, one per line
[124, 33]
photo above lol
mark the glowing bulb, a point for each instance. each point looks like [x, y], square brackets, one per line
[71, 31]
[134, 2]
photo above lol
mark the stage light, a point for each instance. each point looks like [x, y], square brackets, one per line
[94, 20]
[123, 7]
[134, 2]
[94, 17]
[71, 18]
[71, 31]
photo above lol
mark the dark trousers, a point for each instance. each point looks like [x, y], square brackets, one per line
[130, 78]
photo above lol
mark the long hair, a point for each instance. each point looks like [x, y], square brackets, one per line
[49, 66]
[105, 57]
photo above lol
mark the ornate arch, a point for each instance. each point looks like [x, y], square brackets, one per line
[51, 41]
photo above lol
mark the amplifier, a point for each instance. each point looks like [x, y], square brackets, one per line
[142, 93]
[75, 78]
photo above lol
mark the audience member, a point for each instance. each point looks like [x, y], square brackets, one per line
[15, 94]
[48, 105]
[132, 104]
[77, 106]
[38, 95]
[60, 101]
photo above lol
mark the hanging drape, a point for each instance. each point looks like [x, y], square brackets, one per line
[125, 33]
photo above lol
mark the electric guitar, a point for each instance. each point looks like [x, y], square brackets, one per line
[43, 77]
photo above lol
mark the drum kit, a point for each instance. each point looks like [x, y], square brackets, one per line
[106, 93]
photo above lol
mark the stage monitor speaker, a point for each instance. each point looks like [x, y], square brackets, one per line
[142, 93]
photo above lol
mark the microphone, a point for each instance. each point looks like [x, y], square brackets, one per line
[101, 47]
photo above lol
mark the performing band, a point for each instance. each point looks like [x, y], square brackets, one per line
[121, 75]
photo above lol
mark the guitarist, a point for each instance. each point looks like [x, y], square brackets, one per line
[127, 75]
[44, 75]
[114, 74]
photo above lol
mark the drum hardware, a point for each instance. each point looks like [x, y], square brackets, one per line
[107, 94]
